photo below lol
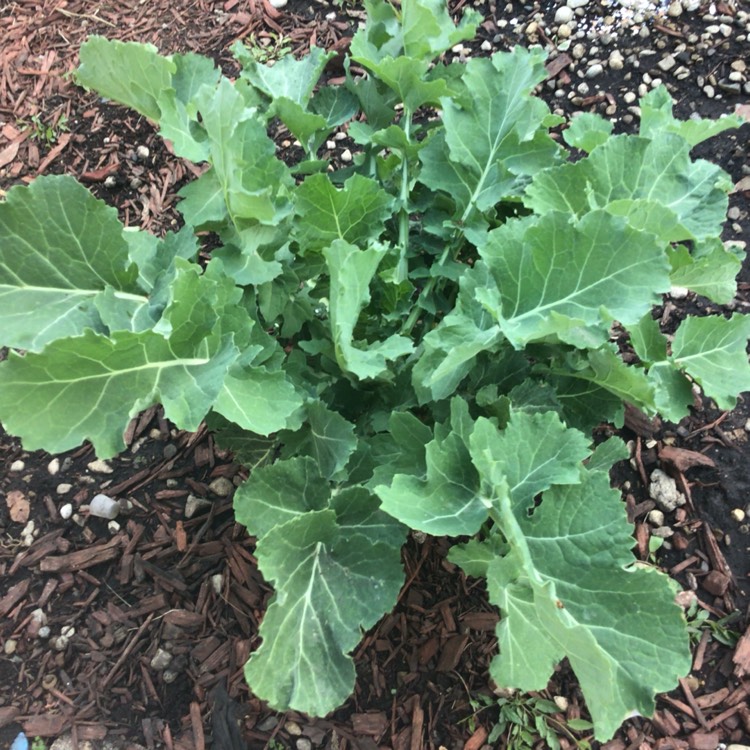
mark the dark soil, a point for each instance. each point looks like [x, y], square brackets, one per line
[189, 585]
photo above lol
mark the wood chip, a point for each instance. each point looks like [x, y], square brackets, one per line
[82, 558]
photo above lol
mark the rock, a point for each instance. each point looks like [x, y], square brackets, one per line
[577, 3]
[564, 14]
[346, 155]
[663, 491]
[66, 511]
[221, 486]
[656, 517]
[675, 9]
[103, 506]
[594, 70]
[64, 488]
[142, 152]
[278, 3]
[716, 583]
[735, 746]
[564, 31]
[616, 60]
[100, 467]
[17, 465]
[170, 451]
[303, 744]
[53, 467]
[161, 660]
[709, 91]
[738, 514]
[666, 63]
[193, 504]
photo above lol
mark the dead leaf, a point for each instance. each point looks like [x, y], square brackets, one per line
[742, 186]
[683, 459]
[18, 505]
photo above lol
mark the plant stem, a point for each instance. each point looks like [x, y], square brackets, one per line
[402, 271]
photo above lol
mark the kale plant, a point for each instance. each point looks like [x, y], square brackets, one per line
[420, 339]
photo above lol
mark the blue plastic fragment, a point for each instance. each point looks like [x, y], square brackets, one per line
[20, 743]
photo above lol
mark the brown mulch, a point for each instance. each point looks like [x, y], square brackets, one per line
[165, 604]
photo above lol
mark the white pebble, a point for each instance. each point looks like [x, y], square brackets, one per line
[142, 152]
[100, 467]
[53, 467]
[594, 70]
[616, 60]
[103, 506]
[486, 46]
[346, 155]
[17, 465]
[64, 488]
[66, 511]
[280, 4]
[564, 14]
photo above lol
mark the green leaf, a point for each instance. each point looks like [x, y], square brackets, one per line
[556, 275]
[533, 453]
[566, 591]
[444, 498]
[253, 181]
[179, 122]
[288, 77]
[474, 557]
[351, 271]
[656, 118]
[326, 436]
[712, 275]
[281, 492]
[712, 351]
[495, 139]
[259, 400]
[627, 172]
[330, 586]
[88, 387]
[130, 73]
[60, 250]
[356, 213]
[648, 341]
[587, 131]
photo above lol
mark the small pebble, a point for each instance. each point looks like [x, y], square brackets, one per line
[486, 46]
[656, 517]
[293, 728]
[303, 744]
[142, 152]
[103, 506]
[738, 514]
[170, 451]
[564, 14]
[66, 511]
[161, 660]
[666, 63]
[53, 467]
[564, 31]
[10, 646]
[64, 488]
[279, 4]
[675, 9]
[100, 467]
[616, 60]
[709, 91]
[346, 155]
[17, 465]
[221, 486]
[594, 70]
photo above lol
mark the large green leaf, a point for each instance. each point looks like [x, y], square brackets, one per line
[556, 275]
[60, 250]
[88, 387]
[336, 572]
[130, 73]
[495, 139]
[259, 400]
[533, 453]
[712, 273]
[712, 351]
[356, 213]
[570, 588]
[652, 182]
[445, 497]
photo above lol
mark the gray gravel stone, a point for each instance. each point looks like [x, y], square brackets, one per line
[564, 14]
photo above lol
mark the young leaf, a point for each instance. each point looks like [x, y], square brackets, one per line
[60, 250]
[351, 271]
